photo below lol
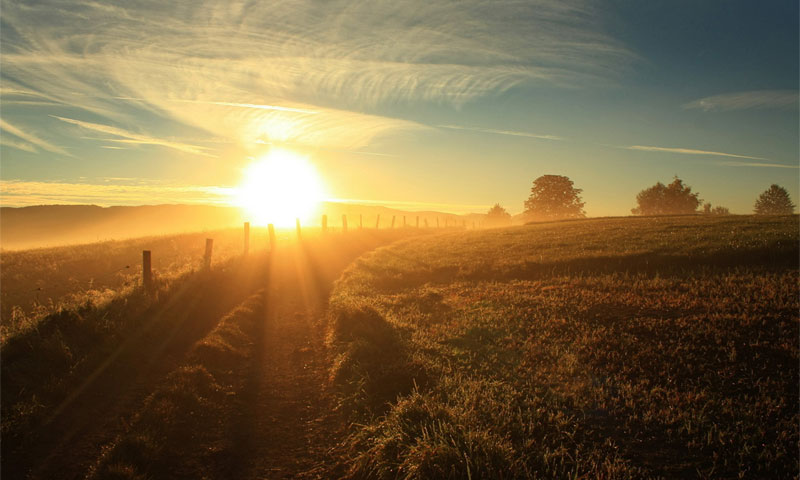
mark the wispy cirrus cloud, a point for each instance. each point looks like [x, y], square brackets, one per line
[10, 142]
[135, 138]
[458, 208]
[757, 165]
[756, 99]
[503, 132]
[31, 139]
[687, 151]
[312, 72]
[15, 193]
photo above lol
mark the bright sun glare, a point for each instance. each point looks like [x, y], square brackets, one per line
[280, 187]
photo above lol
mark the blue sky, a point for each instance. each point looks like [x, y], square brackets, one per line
[453, 105]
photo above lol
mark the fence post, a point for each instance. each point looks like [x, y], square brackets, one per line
[417, 221]
[147, 273]
[426, 223]
[404, 221]
[378, 221]
[246, 238]
[297, 225]
[360, 221]
[272, 243]
[207, 256]
[393, 220]
[324, 223]
[344, 223]
[437, 222]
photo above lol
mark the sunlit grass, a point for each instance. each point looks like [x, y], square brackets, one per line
[662, 347]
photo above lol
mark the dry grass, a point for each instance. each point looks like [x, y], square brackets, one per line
[616, 348]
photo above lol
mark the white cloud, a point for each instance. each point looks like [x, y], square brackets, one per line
[747, 100]
[502, 132]
[306, 71]
[135, 138]
[757, 165]
[32, 139]
[15, 193]
[10, 142]
[687, 151]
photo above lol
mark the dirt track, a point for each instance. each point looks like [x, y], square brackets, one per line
[283, 424]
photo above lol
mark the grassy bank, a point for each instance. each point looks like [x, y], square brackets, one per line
[612, 348]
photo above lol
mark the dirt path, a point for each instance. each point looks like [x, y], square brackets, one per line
[288, 421]
[283, 423]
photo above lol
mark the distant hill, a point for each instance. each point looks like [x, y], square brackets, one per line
[52, 225]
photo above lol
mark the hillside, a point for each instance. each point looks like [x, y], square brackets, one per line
[619, 348]
[54, 225]
[607, 348]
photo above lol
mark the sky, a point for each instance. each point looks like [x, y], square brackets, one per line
[447, 105]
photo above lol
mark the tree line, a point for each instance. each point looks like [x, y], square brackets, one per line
[555, 197]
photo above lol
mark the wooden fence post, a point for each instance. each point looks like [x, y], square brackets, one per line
[437, 222]
[207, 256]
[393, 220]
[246, 238]
[272, 242]
[297, 225]
[147, 273]
[360, 221]
[417, 221]
[378, 221]
[344, 223]
[404, 221]
[426, 223]
[324, 223]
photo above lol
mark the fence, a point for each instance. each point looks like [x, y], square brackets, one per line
[147, 255]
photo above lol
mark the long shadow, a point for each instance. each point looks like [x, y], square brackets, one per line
[303, 275]
[109, 384]
[650, 263]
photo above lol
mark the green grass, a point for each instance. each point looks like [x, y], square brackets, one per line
[611, 348]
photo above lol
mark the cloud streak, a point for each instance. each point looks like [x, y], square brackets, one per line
[687, 151]
[757, 99]
[502, 132]
[31, 139]
[757, 165]
[14, 193]
[135, 138]
[311, 72]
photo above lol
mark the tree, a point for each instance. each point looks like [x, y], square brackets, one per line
[497, 216]
[660, 199]
[553, 196]
[720, 211]
[774, 201]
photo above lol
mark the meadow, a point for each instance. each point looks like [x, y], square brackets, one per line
[75, 379]
[609, 348]
[42, 281]
[661, 347]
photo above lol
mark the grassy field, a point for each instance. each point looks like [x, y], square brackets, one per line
[81, 384]
[608, 348]
[41, 281]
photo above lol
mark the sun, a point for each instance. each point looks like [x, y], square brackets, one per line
[280, 187]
